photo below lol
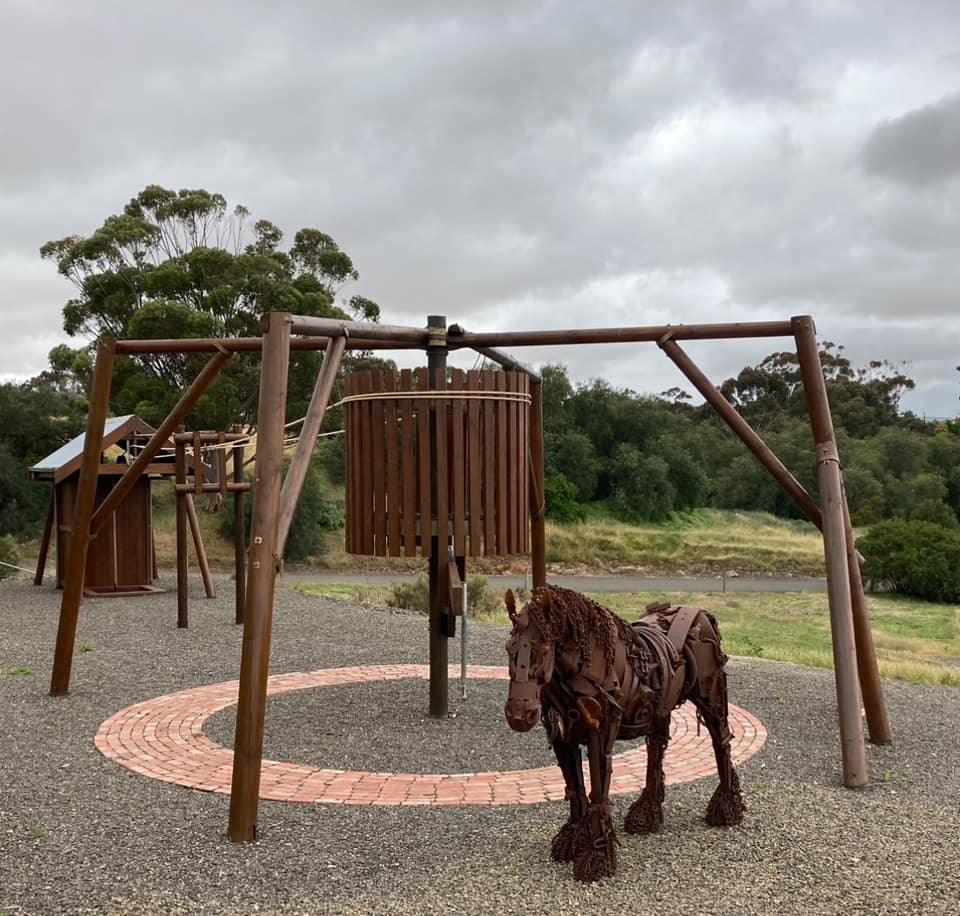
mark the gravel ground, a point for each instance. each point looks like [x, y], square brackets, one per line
[80, 834]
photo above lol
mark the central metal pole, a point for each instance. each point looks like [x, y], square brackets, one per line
[435, 527]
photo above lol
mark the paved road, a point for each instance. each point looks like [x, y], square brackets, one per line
[598, 583]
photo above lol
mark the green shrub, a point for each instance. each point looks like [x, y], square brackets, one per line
[411, 596]
[9, 553]
[316, 512]
[415, 596]
[561, 501]
[913, 557]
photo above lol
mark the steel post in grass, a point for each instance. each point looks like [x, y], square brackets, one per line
[261, 580]
[437, 366]
[852, 747]
[183, 596]
[871, 688]
[159, 439]
[538, 535]
[75, 566]
[297, 472]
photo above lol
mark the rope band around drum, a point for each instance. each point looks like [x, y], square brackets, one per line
[438, 394]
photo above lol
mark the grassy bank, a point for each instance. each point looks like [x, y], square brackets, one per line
[916, 641]
[705, 541]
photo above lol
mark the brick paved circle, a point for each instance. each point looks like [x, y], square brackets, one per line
[163, 738]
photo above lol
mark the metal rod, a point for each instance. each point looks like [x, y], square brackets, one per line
[297, 472]
[198, 546]
[871, 688]
[159, 439]
[437, 366]
[261, 581]
[538, 533]
[243, 345]
[358, 330]
[620, 335]
[45, 538]
[852, 748]
[76, 561]
[239, 534]
[743, 430]
[183, 595]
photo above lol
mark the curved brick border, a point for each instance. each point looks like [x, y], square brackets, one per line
[163, 738]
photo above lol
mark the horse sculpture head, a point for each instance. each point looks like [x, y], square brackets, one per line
[531, 657]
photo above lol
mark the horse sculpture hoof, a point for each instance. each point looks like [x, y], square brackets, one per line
[597, 861]
[726, 808]
[564, 846]
[645, 815]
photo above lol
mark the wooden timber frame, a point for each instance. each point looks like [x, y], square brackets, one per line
[855, 665]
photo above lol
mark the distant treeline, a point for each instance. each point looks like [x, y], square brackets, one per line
[643, 457]
[635, 457]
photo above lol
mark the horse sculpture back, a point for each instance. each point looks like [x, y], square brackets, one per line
[592, 678]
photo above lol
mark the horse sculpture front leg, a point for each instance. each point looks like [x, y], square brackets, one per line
[564, 846]
[646, 813]
[596, 855]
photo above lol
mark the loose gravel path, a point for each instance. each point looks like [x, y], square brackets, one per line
[80, 834]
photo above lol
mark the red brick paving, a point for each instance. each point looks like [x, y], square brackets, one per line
[163, 738]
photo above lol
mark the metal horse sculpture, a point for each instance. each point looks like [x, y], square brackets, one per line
[592, 678]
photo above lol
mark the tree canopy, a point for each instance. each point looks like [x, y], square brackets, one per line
[181, 264]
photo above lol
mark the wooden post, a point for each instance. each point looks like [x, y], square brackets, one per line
[159, 439]
[183, 597]
[437, 366]
[297, 472]
[239, 534]
[75, 566]
[878, 722]
[198, 545]
[261, 580]
[538, 536]
[45, 539]
[853, 751]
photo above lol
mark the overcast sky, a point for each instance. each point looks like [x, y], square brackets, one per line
[522, 164]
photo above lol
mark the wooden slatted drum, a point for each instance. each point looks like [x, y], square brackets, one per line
[476, 445]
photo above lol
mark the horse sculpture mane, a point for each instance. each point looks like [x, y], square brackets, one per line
[591, 678]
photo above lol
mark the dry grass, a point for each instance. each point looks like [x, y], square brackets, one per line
[706, 540]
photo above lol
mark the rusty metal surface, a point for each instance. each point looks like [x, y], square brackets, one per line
[592, 679]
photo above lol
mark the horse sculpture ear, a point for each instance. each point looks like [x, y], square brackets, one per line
[511, 602]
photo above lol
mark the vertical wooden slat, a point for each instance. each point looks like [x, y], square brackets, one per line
[503, 460]
[394, 494]
[408, 452]
[489, 468]
[350, 427]
[423, 461]
[458, 467]
[516, 465]
[442, 458]
[197, 464]
[379, 459]
[222, 462]
[474, 465]
[354, 473]
[522, 476]
[366, 466]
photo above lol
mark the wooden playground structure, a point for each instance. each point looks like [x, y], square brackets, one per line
[447, 466]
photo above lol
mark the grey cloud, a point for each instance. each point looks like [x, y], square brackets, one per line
[510, 164]
[921, 147]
